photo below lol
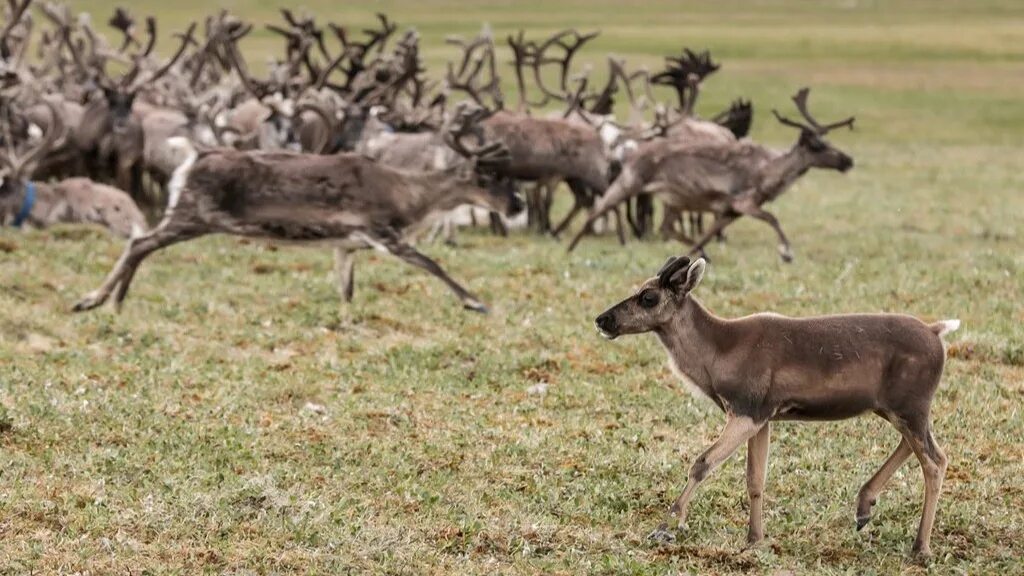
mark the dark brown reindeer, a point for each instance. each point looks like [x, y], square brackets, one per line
[347, 200]
[766, 367]
[731, 180]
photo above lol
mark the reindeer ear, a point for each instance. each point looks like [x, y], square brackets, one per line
[686, 279]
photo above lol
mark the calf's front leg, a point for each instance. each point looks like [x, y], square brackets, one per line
[738, 429]
[757, 469]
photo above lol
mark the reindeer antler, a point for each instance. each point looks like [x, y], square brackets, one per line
[812, 125]
[467, 78]
[17, 12]
[467, 120]
[187, 40]
[685, 73]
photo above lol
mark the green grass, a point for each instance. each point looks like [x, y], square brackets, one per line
[176, 438]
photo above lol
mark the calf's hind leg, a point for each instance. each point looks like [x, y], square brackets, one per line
[933, 465]
[868, 495]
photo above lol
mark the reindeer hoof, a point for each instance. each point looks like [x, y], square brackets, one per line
[475, 306]
[921, 557]
[662, 535]
[88, 303]
[786, 253]
[862, 521]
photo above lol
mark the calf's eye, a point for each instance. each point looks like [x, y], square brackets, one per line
[649, 299]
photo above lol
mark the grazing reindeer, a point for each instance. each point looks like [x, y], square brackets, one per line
[768, 367]
[346, 199]
[730, 180]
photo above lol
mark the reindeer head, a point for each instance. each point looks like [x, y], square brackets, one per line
[17, 167]
[482, 175]
[812, 136]
[656, 302]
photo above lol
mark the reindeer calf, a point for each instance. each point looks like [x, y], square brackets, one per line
[768, 367]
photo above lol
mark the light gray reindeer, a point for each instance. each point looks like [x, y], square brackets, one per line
[730, 180]
[766, 367]
[346, 200]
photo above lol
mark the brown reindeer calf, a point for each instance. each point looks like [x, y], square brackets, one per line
[768, 367]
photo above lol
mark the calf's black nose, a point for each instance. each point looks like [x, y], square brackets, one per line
[606, 322]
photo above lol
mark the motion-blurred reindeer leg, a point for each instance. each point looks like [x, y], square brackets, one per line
[344, 269]
[416, 258]
[124, 271]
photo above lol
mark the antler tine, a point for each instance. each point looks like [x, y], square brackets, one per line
[186, 41]
[604, 101]
[791, 123]
[129, 78]
[17, 12]
[847, 122]
[240, 67]
[519, 53]
[123, 21]
[570, 47]
[380, 39]
[467, 79]
[151, 36]
[800, 99]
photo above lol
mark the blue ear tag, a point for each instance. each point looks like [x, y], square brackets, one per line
[26, 205]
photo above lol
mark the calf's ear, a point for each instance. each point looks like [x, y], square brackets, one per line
[686, 279]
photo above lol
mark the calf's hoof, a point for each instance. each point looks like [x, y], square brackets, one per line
[661, 535]
[862, 521]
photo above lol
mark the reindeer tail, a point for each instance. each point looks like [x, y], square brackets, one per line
[943, 327]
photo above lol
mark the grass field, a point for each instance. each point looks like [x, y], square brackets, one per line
[233, 420]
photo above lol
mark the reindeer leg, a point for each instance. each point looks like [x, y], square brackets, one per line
[547, 201]
[720, 224]
[933, 464]
[416, 258]
[668, 224]
[868, 495]
[757, 469]
[344, 268]
[632, 219]
[448, 228]
[738, 429]
[576, 208]
[785, 251]
[618, 226]
[137, 250]
[497, 226]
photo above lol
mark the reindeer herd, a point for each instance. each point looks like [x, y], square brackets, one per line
[347, 141]
[97, 126]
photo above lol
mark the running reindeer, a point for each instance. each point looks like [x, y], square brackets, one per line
[346, 199]
[731, 180]
[766, 367]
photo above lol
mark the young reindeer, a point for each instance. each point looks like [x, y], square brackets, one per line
[346, 200]
[766, 367]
